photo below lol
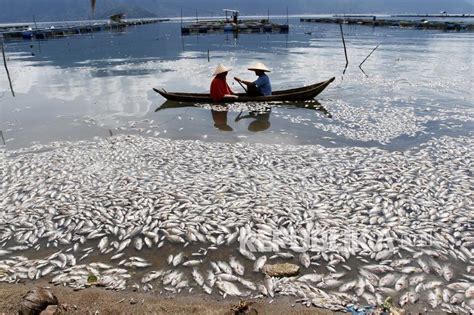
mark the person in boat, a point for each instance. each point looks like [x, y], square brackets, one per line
[260, 87]
[219, 87]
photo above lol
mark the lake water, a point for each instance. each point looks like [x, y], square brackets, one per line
[417, 85]
[380, 206]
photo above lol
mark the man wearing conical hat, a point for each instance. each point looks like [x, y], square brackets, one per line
[261, 86]
[219, 87]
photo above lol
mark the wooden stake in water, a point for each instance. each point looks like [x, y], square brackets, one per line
[6, 68]
[345, 51]
[369, 55]
[208, 56]
[36, 34]
[34, 20]
[3, 139]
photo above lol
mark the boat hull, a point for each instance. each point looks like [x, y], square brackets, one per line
[297, 94]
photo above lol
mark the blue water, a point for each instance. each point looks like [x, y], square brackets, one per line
[417, 85]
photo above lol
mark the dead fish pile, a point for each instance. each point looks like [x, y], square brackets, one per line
[238, 107]
[363, 223]
[373, 122]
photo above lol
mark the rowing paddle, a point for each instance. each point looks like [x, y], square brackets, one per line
[242, 86]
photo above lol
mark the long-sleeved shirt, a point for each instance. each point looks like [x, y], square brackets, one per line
[263, 85]
[219, 88]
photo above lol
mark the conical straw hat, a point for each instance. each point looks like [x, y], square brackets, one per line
[221, 69]
[259, 66]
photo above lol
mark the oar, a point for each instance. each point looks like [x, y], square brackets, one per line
[242, 86]
[238, 117]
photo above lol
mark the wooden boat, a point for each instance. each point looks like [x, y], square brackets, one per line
[297, 94]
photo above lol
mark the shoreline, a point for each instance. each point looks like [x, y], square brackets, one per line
[93, 300]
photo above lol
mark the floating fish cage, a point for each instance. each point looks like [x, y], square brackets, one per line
[25, 32]
[419, 24]
[250, 26]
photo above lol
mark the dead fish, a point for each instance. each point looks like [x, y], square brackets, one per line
[410, 269]
[152, 275]
[198, 277]
[329, 283]
[305, 260]
[447, 273]
[104, 242]
[262, 289]
[457, 298]
[123, 245]
[347, 286]
[175, 239]
[227, 277]
[269, 284]
[403, 299]
[228, 288]
[415, 280]
[401, 283]
[470, 292]
[436, 267]
[207, 289]
[433, 299]
[371, 300]
[248, 284]
[360, 286]
[211, 278]
[259, 263]
[378, 268]
[138, 243]
[400, 262]
[236, 266]
[424, 265]
[432, 284]
[285, 255]
[178, 259]
[225, 267]
[458, 286]
[247, 254]
[383, 255]
[192, 263]
[387, 280]
[312, 277]
[413, 297]
[446, 295]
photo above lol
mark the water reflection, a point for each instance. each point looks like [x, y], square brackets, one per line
[261, 119]
[81, 86]
[257, 114]
[220, 120]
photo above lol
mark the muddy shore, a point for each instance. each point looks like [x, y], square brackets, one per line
[101, 301]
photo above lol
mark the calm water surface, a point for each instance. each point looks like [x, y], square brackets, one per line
[417, 85]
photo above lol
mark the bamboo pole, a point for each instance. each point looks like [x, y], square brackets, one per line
[3, 139]
[345, 50]
[368, 55]
[6, 68]
[35, 33]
